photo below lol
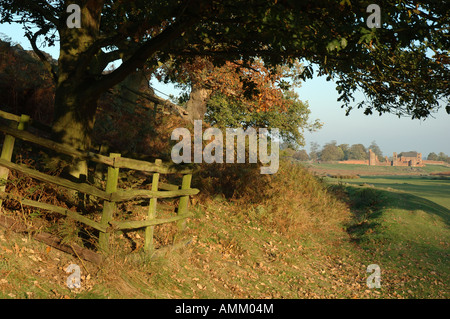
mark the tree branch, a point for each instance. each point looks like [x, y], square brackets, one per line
[104, 58]
[140, 56]
[45, 9]
[182, 112]
[40, 54]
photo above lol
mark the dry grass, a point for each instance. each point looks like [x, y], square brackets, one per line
[241, 247]
[274, 245]
[441, 173]
[302, 203]
[286, 242]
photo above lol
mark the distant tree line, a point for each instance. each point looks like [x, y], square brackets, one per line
[438, 157]
[332, 151]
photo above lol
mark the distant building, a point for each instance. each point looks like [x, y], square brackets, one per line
[412, 159]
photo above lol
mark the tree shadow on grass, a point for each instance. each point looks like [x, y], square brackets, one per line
[412, 202]
[419, 185]
[406, 247]
[367, 205]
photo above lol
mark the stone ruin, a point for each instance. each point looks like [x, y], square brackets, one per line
[412, 159]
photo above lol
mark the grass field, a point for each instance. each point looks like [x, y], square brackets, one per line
[403, 220]
[432, 188]
[308, 239]
[354, 169]
[407, 233]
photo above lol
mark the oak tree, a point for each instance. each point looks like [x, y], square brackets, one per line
[357, 152]
[376, 149]
[402, 67]
[331, 152]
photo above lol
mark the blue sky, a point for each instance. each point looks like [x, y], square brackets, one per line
[392, 134]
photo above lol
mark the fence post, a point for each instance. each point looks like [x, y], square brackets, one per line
[108, 207]
[184, 201]
[148, 244]
[98, 175]
[7, 151]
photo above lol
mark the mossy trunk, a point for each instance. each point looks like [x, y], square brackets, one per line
[73, 125]
[76, 105]
[196, 105]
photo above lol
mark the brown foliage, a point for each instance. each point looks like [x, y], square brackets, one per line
[255, 85]
[25, 86]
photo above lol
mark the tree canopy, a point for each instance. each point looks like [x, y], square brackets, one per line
[391, 64]
[238, 94]
[432, 157]
[331, 152]
[357, 152]
[401, 67]
[376, 149]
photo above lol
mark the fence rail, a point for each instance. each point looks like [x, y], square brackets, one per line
[120, 162]
[111, 195]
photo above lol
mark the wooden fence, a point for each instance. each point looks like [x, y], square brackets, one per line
[110, 196]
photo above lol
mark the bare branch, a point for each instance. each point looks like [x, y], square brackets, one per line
[140, 56]
[181, 111]
[40, 54]
[46, 10]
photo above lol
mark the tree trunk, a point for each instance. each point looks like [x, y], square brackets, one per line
[132, 83]
[74, 112]
[73, 123]
[196, 105]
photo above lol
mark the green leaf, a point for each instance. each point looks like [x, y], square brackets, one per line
[333, 45]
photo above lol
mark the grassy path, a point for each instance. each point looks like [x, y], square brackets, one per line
[435, 189]
[406, 232]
